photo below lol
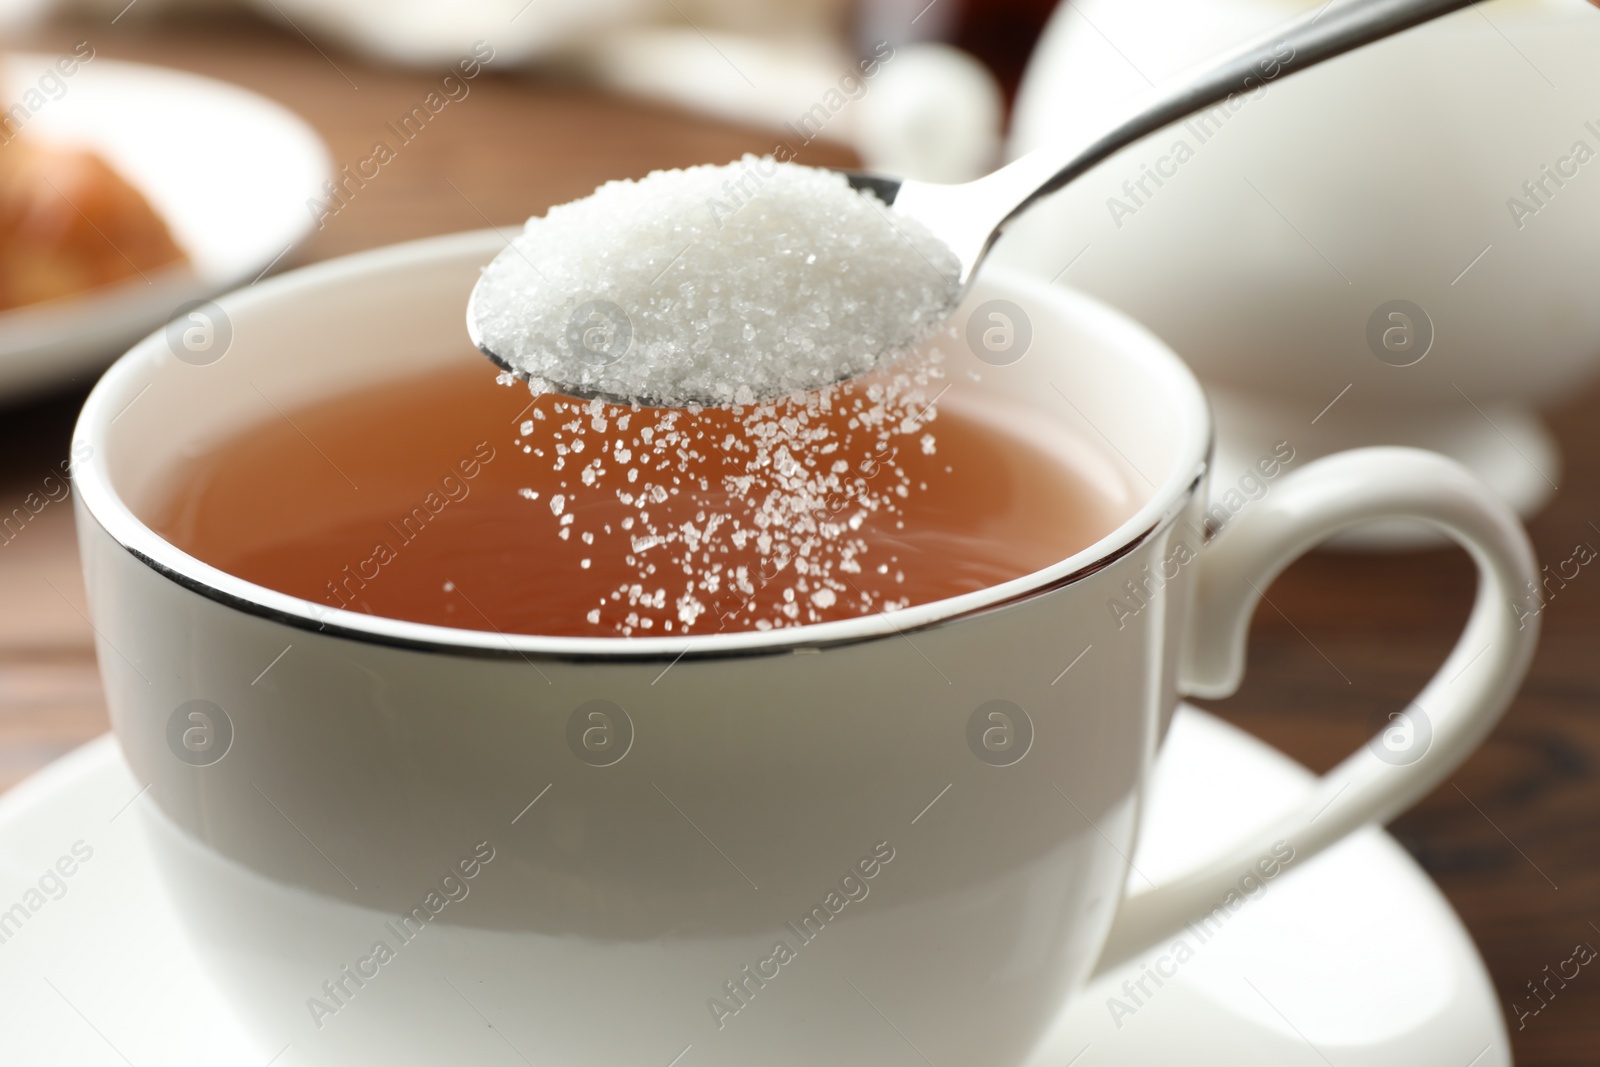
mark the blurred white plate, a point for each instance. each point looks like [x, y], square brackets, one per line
[229, 171]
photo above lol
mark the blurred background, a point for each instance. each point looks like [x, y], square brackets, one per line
[210, 143]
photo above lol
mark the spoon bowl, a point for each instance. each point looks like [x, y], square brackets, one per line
[968, 218]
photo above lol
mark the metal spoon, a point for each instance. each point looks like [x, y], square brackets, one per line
[970, 217]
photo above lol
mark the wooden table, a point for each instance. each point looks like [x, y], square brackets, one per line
[1514, 839]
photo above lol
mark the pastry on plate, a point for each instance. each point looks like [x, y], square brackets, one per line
[70, 223]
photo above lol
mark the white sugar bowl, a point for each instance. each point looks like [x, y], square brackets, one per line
[1397, 247]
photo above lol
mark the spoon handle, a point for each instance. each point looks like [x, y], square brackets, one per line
[1336, 27]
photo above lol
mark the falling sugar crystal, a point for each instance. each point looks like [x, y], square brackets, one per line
[748, 517]
[713, 285]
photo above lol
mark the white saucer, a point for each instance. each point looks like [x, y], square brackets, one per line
[1352, 959]
[229, 171]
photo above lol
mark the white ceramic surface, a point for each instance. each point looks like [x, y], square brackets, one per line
[228, 170]
[742, 782]
[1323, 943]
[1261, 250]
[1506, 445]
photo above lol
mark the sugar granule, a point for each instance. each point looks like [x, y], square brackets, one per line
[727, 284]
[767, 519]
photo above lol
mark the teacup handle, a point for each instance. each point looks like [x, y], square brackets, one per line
[1460, 704]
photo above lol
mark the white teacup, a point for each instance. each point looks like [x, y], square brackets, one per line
[398, 843]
